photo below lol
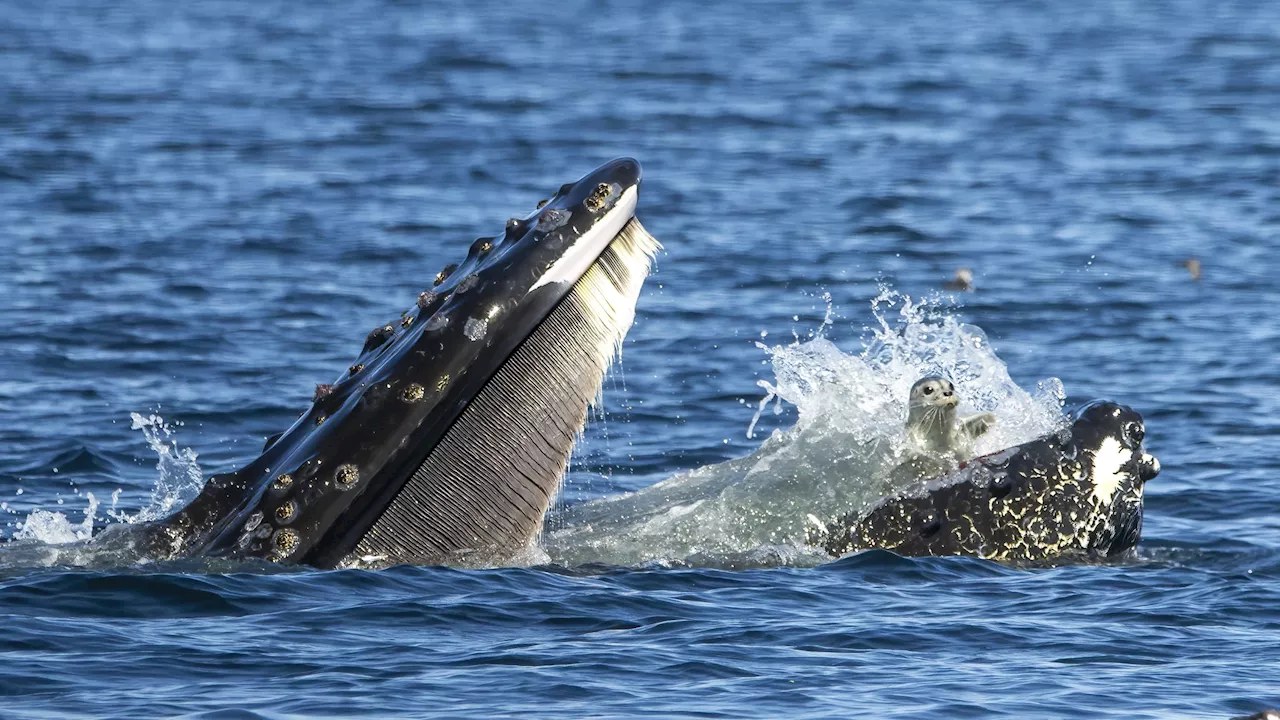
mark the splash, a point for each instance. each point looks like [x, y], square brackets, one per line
[54, 528]
[866, 394]
[179, 479]
[839, 456]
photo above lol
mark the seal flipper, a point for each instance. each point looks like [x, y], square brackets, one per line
[976, 426]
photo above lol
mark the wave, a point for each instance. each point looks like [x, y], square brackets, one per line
[839, 456]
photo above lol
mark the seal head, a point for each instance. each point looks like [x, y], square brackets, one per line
[933, 429]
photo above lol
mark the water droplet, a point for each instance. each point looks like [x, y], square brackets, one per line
[253, 522]
[553, 218]
[475, 328]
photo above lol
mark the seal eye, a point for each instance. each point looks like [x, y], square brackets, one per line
[928, 390]
[1135, 433]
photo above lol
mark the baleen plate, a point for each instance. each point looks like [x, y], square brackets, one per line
[481, 495]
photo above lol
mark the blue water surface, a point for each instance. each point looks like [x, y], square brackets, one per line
[204, 207]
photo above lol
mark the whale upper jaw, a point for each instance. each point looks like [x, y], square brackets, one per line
[447, 437]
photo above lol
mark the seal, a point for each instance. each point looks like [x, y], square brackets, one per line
[932, 425]
[1074, 493]
[445, 441]
[937, 441]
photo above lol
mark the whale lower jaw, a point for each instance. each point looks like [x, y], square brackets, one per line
[1066, 495]
[479, 497]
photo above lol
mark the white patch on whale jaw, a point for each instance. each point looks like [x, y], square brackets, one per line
[1109, 461]
[584, 251]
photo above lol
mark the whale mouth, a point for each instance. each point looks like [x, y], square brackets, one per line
[447, 438]
[519, 428]
[1127, 533]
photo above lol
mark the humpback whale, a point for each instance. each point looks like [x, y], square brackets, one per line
[446, 440]
[1073, 493]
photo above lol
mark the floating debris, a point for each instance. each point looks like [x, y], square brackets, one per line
[962, 281]
[1193, 267]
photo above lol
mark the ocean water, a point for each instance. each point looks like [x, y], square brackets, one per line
[205, 207]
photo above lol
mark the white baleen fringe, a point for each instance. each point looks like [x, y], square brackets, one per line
[607, 292]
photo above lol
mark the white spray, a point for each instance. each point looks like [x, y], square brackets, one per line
[837, 458]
